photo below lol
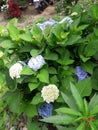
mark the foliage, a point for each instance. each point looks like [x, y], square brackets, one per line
[21, 2]
[87, 4]
[64, 7]
[63, 52]
[82, 113]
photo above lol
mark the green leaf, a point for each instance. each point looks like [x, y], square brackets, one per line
[84, 87]
[94, 79]
[1, 29]
[59, 119]
[13, 30]
[93, 102]
[50, 55]
[92, 126]
[7, 44]
[94, 12]
[96, 31]
[54, 79]
[33, 86]
[57, 31]
[37, 99]
[11, 83]
[84, 59]
[27, 71]
[72, 39]
[26, 37]
[86, 108]
[37, 33]
[69, 111]
[89, 66]
[34, 125]
[30, 110]
[81, 126]
[77, 97]
[82, 27]
[34, 52]
[91, 48]
[69, 100]
[65, 128]
[14, 98]
[52, 70]
[94, 110]
[43, 76]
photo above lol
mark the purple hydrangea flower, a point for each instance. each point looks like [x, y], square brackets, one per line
[81, 73]
[45, 110]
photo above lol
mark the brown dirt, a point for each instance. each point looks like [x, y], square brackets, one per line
[29, 15]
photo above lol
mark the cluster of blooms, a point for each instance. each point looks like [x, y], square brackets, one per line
[13, 9]
[45, 110]
[50, 93]
[36, 63]
[52, 22]
[15, 70]
[81, 74]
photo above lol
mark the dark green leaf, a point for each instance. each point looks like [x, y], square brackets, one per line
[34, 125]
[84, 87]
[93, 102]
[69, 111]
[59, 119]
[30, 110]
[69, 100]
[11, 83]
[37, 99]
[77, 97]
[91, 48]
[94, 79]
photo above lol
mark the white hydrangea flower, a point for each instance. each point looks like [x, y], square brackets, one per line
[15, 70]
[36, 63]
[50, 93]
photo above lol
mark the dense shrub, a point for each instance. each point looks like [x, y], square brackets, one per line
[49, 56]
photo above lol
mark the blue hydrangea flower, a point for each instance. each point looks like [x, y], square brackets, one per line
[81, 73]
[68, 19]
[36, 63]
[44, 24]
[45, 110]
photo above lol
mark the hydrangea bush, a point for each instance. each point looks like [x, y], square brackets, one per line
[38, 64]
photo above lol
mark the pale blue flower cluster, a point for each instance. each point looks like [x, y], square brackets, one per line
[52, 22]
[67, 19]
[44, 24]
[36, 63]
[45, 110]
[81, 73]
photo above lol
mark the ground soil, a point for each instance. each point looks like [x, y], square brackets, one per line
[29, 15]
